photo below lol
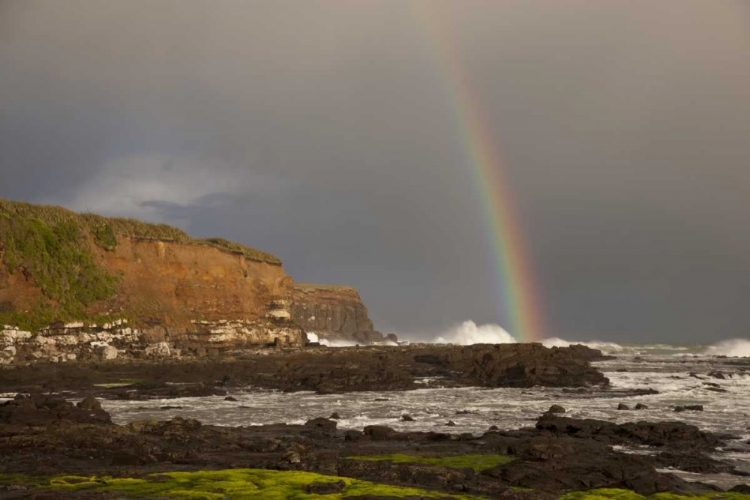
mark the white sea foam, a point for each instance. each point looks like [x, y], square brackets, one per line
[735, 348]
[594, 344]
[469, 333]
[313, 337]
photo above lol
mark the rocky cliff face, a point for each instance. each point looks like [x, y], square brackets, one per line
[81, 286]
[333, 313]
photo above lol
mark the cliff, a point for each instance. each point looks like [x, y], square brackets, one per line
[333, 313]
[77, 286]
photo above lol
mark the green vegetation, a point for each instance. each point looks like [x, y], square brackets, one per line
[264, 484]
[223, 484]
[126, 382]
[55, 255]
[476, 462]
[311, 287]
[51, 246]
[616, 494]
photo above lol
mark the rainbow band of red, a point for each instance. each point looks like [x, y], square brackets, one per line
[517, 299]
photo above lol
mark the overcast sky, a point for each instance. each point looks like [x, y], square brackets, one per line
[323, 131]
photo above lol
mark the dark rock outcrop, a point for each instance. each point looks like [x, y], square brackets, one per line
[676, 435]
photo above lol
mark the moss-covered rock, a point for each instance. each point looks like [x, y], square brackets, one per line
[225, 484]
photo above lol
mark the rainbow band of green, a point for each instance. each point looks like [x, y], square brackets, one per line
[517, 299]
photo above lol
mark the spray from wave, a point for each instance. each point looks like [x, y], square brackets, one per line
[468, 333]
[739, 348]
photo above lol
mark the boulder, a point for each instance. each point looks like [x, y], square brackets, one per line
[679, 409]
[90, 403]
[322, 424]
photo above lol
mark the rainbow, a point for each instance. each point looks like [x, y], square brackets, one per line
[518, 302]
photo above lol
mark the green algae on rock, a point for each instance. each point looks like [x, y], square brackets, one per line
[225, 484]
[476, 462]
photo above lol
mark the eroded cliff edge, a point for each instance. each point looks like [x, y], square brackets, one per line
[82, 286]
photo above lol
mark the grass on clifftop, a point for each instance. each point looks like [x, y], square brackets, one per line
[51, 246]
[476, 462]
[223, 484]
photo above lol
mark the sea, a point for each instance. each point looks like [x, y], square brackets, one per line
[714, 376]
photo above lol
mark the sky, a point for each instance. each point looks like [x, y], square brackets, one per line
[324, 131]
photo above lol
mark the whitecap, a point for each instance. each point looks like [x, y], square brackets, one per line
[739, 348]
[468, 333]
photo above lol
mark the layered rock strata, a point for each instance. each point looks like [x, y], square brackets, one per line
[334, 313]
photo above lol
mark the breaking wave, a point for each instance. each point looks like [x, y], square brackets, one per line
[739, 348]
[469, 333]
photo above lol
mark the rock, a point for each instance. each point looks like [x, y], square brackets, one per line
[741, 488]
[556, 409]
[623, 406]
[717, 374]
[407, 418]
[379, 432]
[679, 409]
[494, 428]
[347, 369]
[677, 435]
[695, 375]
[322, 423]
[231, 398]
[41, 410]
[641, 406]
[450, 423]
[158, 350]
[335, 416]
[292, 457]
[107, 352]
[89, 403]
[566, 464]
[326, 488]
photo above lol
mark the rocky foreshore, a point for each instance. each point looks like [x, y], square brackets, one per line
[56, 449]
[320, 369]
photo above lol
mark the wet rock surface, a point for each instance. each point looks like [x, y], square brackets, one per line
[49, 436]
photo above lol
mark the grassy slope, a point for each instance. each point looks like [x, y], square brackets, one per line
[51, 246]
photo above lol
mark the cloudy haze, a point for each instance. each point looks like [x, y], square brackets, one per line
[323, 131]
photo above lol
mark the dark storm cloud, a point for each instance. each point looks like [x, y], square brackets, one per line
[323, 132]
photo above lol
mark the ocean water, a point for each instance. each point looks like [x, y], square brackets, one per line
[664, 368]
